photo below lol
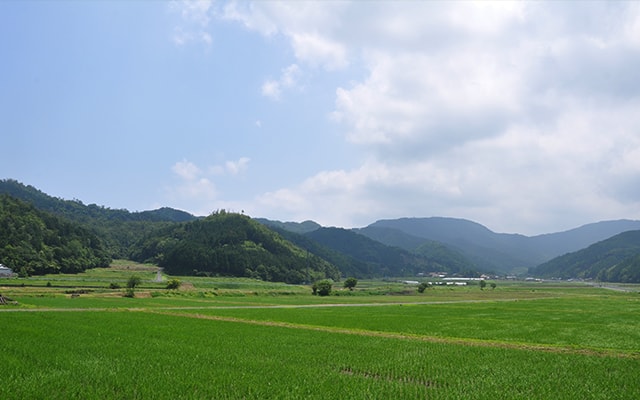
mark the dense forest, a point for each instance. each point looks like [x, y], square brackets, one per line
[36, 242]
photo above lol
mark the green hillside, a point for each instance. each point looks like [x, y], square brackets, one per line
[367, 253]
[230, 244]
[35, 242]
[616, 259]
[349, 266]
[378, 259]
[118, 229]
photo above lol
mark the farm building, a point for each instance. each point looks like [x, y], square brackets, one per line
[5, 271]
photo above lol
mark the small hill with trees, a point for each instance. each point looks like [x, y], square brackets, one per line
[231, 244]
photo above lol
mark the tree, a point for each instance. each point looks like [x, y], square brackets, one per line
[483, 284]
[133, 281]
[423, 286]
[131, 285]
[174, 283]
[493, 285]
[323, 287]
[350, 283]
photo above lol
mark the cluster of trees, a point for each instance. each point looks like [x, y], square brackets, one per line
[35, 242]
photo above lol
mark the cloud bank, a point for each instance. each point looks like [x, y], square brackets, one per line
[519, 115]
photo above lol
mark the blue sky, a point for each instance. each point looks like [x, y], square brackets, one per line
[521, 116]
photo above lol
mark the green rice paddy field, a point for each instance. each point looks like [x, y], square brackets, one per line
[237, 339]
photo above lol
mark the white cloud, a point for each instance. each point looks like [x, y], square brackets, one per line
[317, 50]
[186, 170]
[271, 89]
[230, 167]
[195, 189]
[236, 167]
[192, 188]
[195, 17]
[288, 80]
[196, 11]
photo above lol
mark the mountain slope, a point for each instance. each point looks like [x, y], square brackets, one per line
[348, 265]
[614, 259]
[382, 260]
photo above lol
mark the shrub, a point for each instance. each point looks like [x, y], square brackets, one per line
[174, 283]
[114, 285]
[133, 281]
[350, 283]
[323, 287]
[422, 287]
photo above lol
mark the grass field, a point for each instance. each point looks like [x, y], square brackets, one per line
[220, 338]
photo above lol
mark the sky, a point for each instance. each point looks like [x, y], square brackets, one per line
[521, 116]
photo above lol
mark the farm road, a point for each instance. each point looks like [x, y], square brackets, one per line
[274, 306]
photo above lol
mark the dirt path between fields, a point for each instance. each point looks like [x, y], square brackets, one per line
[12, 308]
[424, 338]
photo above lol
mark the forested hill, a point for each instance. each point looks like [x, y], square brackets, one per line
[35, 242]
[230, 244]
[75, 210]
[119, 229]
[616, 259]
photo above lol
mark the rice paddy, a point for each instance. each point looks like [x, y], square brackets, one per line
[221, 338]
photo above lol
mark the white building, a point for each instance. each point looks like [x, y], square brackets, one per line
[5, 271]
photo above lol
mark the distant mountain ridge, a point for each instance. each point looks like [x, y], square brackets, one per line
[498, 251]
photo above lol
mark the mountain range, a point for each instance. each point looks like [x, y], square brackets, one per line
[488, 250]
[391, 247]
